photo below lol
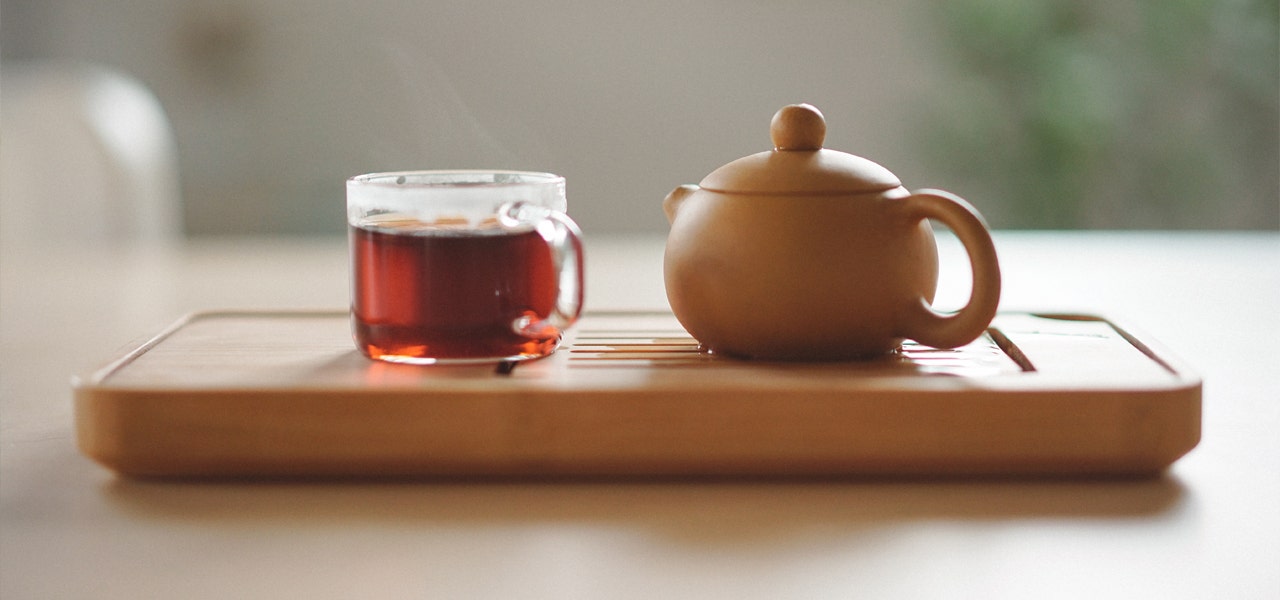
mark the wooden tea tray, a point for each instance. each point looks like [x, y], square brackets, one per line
[629, 394]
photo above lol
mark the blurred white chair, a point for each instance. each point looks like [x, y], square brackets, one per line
[86, 156]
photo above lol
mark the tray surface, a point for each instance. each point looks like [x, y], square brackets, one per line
[240, 393]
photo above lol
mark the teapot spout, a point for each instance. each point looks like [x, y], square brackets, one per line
[671, 205]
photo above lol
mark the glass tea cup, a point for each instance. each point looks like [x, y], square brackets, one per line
[456, 267]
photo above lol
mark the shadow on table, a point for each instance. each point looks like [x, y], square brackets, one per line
[730, 511]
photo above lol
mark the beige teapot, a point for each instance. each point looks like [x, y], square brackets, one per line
[806, 253]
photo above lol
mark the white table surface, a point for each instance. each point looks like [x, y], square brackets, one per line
[1209, 528]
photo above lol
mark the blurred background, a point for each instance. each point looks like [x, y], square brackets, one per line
[1047, 114]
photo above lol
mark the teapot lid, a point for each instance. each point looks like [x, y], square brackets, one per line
[799, 164]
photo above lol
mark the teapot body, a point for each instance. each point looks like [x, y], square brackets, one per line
[808, 253]
[796, 277]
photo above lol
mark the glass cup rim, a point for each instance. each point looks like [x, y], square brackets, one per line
[416, 179]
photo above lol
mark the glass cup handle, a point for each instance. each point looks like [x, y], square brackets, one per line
[564, 238]
[929, 327]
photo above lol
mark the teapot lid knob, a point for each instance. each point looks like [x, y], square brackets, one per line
[798, 127]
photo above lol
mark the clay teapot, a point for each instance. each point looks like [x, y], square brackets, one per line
[806, 253]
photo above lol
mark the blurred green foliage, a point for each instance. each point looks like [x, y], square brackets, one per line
[1111, 114]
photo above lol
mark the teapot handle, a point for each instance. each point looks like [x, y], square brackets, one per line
[921, 322]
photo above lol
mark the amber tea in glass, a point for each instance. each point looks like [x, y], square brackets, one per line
[458, 267]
